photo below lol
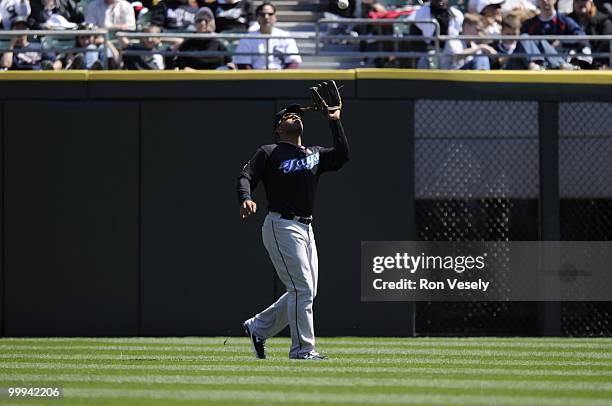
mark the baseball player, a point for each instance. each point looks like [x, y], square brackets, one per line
[290, 173]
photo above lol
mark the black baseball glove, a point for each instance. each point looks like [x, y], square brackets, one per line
[326, 97]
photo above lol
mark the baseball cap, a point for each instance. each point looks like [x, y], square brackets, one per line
[292, 108]
[204, 13]
[484, 3]
[18, 19]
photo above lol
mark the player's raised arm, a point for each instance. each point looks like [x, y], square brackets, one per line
[248, 179]
[340, 153]
[326, 99]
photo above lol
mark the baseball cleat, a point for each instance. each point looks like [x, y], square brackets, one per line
[257, 344]
[312, 355]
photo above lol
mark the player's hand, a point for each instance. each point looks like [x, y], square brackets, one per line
[247, 208]
[335, 116]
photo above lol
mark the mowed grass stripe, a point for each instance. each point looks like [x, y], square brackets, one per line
[329, 375]
[330, 389]
[232, 379]
[250, 361]
[418, 379]
[272, 344]
[207, 373]
[298, 370]
[598, 344]
[214, 340]
[370, 350]
[286, 397]
[282, 358]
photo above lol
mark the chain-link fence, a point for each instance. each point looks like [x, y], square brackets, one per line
[478, 178]
[585, 183]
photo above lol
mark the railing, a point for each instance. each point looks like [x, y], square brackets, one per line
[319, 38]
[396, 38]
[562, 38]
[60, 34]
[133, 35]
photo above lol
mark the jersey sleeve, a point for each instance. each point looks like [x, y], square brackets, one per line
[332, 159]
[251, 174]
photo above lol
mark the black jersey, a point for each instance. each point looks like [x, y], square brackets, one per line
[290, 172]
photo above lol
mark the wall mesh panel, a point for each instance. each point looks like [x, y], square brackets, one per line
[476, 180]
[585, 183]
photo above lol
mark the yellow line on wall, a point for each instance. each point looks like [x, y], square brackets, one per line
[44, 75]
[547, 77]
[223, 75]
[500, 76]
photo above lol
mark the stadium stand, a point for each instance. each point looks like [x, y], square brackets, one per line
[369, 33]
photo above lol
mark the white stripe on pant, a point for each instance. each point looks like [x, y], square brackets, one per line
[292, 249]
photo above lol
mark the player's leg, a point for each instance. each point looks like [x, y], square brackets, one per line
[314, 270]
[287, 244]
[314, 260]
[271, 321]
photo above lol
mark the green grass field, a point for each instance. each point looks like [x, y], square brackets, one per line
[372, 371]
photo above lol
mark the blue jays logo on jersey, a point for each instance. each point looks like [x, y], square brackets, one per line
[294, 165]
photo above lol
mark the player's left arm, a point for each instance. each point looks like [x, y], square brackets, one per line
[248, 179]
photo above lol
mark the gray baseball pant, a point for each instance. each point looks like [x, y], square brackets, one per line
[292, 249]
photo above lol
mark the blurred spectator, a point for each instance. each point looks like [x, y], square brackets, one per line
[33, 59]
[605, 6]
[511, 25]
[50, 14]
[468, 54]
[449, 18]
[593, 22]
[369, 6]
[111, 14]
[175, 15]
[354, 10]
[348, 12]
[232, 15]
[9, 9]
[542, 54]
[281, 50]
[507, 6]
[141, 14]
[93, 58]
[520, 6]
[550, 22]
[397, 10]
[492, 12]
[205, 23]
[151, 61]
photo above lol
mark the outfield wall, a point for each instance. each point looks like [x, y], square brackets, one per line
[119, 209]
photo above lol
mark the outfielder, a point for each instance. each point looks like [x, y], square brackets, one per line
[290, 173]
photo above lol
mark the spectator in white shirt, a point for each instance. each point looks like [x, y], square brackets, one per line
[282, 52]
[491, 10]
[111, 14]
[10, 9]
